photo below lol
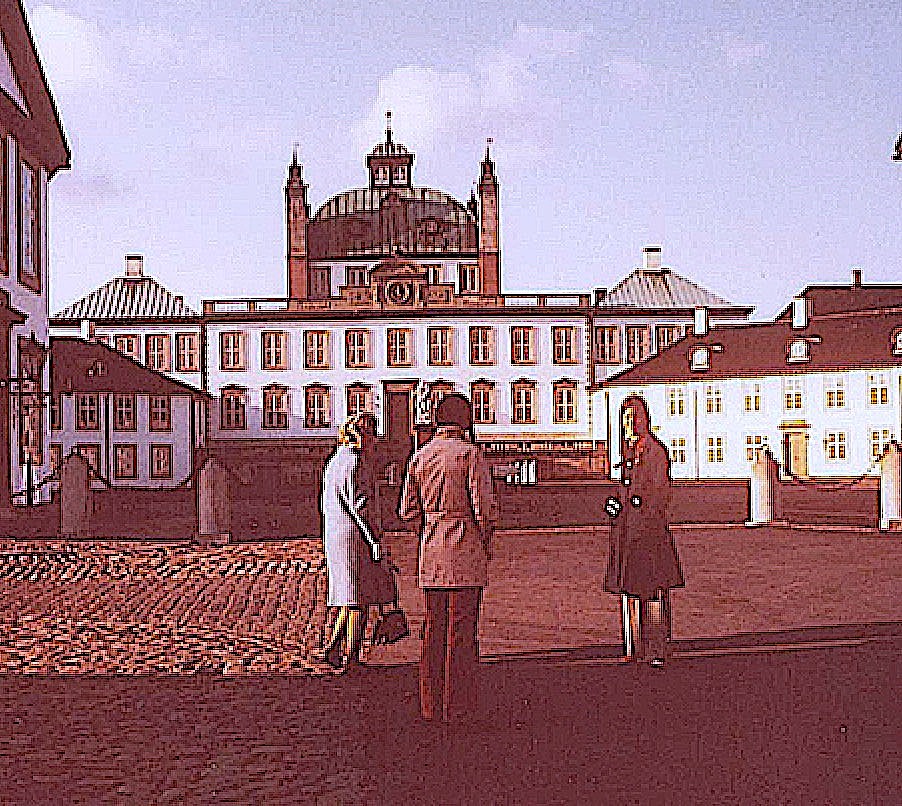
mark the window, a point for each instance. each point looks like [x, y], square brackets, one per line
[233, 409]
[357, 348]
[835, 446]
[56, 413]
[160, 413]
[187, 357]
[897, 343]
[91, 454]
[700, 358]
[356, 276]
[29, 235]
[158, 352]
[880, 440]
[676, 401]
[128, 345]
[482, 396]
[665, 335]
[523, 345]
[678, 450]
[4, 205]
[441, 344]
[275, 407]
[399, 174]
[231, 350]
[316, 351]
[607, 344]
[798, 351]
[564, 343]
[482, 345]
[56, 457]
[793, 393]
[87, 412]
[32, 423]
[754, 442]
[637, 347]
[524, 402]
[713, 399]
[316, 408]
[715, 450]
[437, 392]
[359, 398]
[468, 275]
[382, 175]
[161, 461]
[752, 397]
[400, 347]
[565, 402]
[878, 390]
[126, 462]
[835, 391]
[275, 349]
[124, 412]
[435, 274]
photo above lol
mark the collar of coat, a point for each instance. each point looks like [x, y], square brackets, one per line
[450, 432]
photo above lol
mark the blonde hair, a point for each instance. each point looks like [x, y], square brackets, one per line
[349, 433]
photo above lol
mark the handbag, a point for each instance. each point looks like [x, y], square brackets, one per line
[391, 627]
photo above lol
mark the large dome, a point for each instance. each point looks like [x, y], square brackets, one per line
[380, 221]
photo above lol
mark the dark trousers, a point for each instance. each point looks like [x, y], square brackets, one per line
[450, 657]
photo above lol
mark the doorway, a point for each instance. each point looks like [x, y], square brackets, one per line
[795, 452]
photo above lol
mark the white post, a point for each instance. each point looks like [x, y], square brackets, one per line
[891, 488]
[761, 490]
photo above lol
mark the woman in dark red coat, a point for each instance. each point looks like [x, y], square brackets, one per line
[643, 563]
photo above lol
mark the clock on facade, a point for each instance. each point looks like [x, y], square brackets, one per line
[399, 293]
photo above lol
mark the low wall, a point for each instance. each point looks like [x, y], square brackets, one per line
[164, 514]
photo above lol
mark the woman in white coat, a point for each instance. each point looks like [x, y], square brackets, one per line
[344, 527]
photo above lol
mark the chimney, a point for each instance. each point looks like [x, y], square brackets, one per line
[87, 330]
[599, 294]
[800, 312]
[856, 278]
[700, 327]
[651, 258]
[134, 265]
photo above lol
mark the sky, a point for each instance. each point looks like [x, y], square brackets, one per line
[752, 140]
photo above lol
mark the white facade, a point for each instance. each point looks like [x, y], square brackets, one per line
[720, 423]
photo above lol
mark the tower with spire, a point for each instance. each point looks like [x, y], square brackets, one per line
[298, 217]
[390, 164]
[489, 242]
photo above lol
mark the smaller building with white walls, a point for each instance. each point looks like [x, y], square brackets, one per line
[135, 427]
[140, 318]
[821, 387]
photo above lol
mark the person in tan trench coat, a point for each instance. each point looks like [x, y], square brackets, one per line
[449, 486]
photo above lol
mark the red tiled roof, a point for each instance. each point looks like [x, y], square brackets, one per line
[83, 366]
[836, 343]
[827, 299]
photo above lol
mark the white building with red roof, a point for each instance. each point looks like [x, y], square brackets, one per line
[32, 149]
[821, 387]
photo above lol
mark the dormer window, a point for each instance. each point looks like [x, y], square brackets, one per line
[798, 350]
[382, 175]
[400, 174]
[700, 358]
[897, 343]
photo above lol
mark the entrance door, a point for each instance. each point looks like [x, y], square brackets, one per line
[795, 453]
[399, 419]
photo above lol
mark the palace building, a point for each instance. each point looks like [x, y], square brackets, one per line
[32, 149]
[394, 299]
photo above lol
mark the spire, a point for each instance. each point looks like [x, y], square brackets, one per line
[295, 170]
[388, 126]
[488, 167]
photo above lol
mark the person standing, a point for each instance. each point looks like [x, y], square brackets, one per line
[643, 565]
[448, 485]
[345, 531]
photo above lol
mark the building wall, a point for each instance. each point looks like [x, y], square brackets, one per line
[35, 305]
[179, 437]
[856, 420]
[338, 269]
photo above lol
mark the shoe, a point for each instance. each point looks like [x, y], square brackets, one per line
[334, 657]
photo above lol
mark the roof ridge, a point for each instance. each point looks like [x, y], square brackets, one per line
[123, 297]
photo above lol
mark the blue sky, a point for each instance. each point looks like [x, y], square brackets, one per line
[751, 139]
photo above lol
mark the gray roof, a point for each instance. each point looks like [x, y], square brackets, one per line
[128, 298]
[660, 288]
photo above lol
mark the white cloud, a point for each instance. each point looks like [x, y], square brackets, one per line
[70, 49]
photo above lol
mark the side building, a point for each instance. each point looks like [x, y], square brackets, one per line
[32, 149]
[821, 387]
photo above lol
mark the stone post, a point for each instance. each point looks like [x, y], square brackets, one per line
[891, 488]
[761, 489]
[214, 503]
[76, 498]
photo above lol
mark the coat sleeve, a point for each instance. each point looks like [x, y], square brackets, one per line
[347, 495]
[410, 506]
[482, 494]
